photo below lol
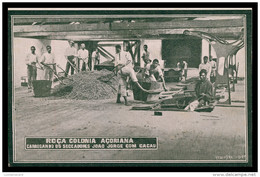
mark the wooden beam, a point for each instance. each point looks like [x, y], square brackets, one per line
[178, 24]
[227, 36]
[26, 21]
[61, 28]
[65, 18]
[106, 52]
[223, 31]
[130, 26]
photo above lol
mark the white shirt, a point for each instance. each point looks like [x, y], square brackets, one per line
[213, 65]
[185, 65]
[207, 67]
[147, 68]
[71, 51]
[122, 58]
[48, 58]
[146, 55]
[94, 54]
[31, 58]
[129, 71]
[155, 70]
[83, 54]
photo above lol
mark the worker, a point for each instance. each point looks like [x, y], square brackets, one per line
[48, 60]
[206, 65]
[124, 69]
[31, 60]
[95, 58]
[155, 69]
[147, 64]
[203, 89]
[70, 54]
[213, 69]
[83, 57]
[183, 66]
[146, 54]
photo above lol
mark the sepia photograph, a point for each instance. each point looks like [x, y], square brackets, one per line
[130, 86]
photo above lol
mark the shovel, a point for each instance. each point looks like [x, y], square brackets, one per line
[108, 77]
[71, 64]
[64, 71]
[53, 72]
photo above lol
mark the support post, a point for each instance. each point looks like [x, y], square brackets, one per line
[229, 93]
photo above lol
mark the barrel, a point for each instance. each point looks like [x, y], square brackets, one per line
[41, 88]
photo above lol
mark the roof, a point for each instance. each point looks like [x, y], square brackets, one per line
[124, 27]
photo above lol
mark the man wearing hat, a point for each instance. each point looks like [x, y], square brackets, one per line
[70, 54]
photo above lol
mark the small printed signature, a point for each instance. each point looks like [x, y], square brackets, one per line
[231, 157]
[13, 174]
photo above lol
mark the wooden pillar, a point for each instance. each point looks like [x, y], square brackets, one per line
[139, 53]
[233, 75]
[209, 50]
[229, 92]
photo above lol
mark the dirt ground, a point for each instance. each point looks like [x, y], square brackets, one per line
[218, 136]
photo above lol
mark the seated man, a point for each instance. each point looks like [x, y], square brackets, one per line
[204, 89]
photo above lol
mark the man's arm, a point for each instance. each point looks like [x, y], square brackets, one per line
[66, 53]
[197, 87]
[164, 85]
[209, 70]
[27, 60]
[54, 61]
[199, 67]
[37, 61]
[42, 59]
[161, 76]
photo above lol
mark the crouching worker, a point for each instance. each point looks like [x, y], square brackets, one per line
[155, 69]
[124, 69]
[204, 89]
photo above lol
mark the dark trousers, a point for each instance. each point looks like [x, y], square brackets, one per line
[83, 67]
[31, 74]
[68, 65]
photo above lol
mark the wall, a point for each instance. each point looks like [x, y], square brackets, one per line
[186, 49]
[21, 47]
[155, 49]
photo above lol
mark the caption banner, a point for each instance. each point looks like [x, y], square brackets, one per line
[91, 143]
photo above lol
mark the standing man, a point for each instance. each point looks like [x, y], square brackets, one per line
[48, 60]
[146, 54]
[31, 60]
[125, 70]
[213, 69]
[95, 58]
[204, 89]
[205, 66]
[83, 57]
[183, 66]
[70, 54]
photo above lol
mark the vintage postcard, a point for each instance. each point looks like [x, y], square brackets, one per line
[130, 86]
